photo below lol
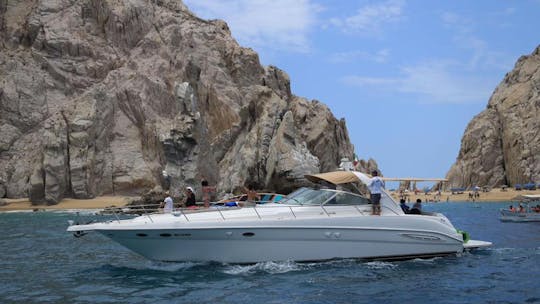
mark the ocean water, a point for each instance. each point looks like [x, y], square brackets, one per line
[42, 263]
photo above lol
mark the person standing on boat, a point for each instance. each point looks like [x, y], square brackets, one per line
[167, 203]
[375, 186]
[207, 192]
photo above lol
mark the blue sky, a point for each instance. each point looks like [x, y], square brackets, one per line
[406, 75]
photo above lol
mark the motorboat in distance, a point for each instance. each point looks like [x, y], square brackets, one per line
[527, 212]
[310, 224]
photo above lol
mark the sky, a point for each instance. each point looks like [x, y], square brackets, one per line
[407, 75]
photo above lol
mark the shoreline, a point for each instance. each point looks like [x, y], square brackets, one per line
[102, 202]
[495, 195]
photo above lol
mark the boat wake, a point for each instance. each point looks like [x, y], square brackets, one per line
[265, 267]
[381, 265]
[172, 267]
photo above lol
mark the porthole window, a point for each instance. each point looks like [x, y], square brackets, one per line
[165, 235]
[248, 234]
[142, 234]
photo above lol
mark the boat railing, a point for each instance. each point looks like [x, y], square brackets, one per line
[258, 211]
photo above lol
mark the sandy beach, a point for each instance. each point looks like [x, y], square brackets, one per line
[100, 202]
[495, 195]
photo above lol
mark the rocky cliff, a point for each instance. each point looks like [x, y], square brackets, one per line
[101, 96]
[501, 145]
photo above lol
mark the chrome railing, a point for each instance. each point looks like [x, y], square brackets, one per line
[150, 210]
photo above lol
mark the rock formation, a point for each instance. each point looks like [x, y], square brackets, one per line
[501, 145]
[102, 96]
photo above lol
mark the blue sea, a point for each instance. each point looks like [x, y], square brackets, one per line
[42, 263]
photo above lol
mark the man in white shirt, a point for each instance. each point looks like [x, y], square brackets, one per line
[167, 203]
[375, 188]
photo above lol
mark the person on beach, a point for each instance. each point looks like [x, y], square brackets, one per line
[404, 206]
[167, 204]
[207, 192]
[417, 207]
[376, 184]
[190, 201]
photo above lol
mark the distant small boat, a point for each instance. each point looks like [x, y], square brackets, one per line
[528, 212]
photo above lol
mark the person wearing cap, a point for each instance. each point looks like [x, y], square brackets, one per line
[167, 203]
[376, 184]
[190, 201]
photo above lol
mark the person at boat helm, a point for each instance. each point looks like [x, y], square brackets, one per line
[376, 184]
[417, 207]
[404, 206]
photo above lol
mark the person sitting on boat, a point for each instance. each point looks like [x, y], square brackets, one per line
[511, 208]
[375, 186]
[521, 208]
[252, 197]
[417, 207]
[404, 206]
[167, 203]
[190, 201]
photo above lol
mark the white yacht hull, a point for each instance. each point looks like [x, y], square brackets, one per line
[311, 239]
[305, 245]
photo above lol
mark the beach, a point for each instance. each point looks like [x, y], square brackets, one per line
[101, 202]
[494, 195]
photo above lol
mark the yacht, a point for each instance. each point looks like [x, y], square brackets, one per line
[310, 224]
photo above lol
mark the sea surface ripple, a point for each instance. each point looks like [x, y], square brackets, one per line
[42, 263]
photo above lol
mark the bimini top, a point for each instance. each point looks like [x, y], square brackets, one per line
[527, 197]
[339, 177]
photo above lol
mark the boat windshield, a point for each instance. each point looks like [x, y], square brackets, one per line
[308, 196]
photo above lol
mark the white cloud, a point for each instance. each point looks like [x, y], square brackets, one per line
[482, 57]
[431, 82]
[380, 56]
[274, 24]
[370, 19]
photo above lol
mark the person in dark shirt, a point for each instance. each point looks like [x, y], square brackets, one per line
[404, 206]
[417, 207]
[190, 201]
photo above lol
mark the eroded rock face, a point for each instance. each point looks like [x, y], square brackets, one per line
[101, 96]
[501, 145]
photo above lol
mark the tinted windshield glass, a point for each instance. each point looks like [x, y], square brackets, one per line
[345, 198]
[306, 196]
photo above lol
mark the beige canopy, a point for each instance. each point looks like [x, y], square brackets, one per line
[345, 177]
[527, 197]
[336, 177]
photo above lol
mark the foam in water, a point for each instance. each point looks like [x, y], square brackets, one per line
[268, 267]
[171, 267]
[381, 265]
